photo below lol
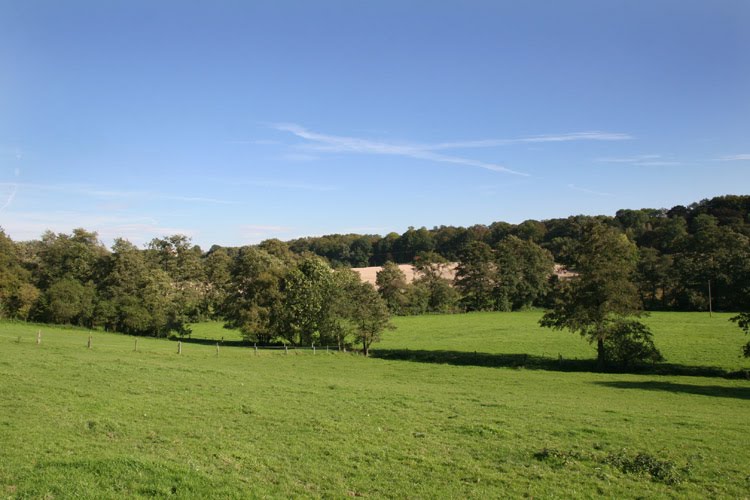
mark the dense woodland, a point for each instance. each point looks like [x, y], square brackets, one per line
[303, 291]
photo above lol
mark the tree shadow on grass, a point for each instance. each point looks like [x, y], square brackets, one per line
[532, 362]
[223, 343]
[703, 390]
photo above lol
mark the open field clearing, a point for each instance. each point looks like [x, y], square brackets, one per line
[437, 420]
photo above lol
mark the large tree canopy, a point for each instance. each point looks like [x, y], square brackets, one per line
[602, 301]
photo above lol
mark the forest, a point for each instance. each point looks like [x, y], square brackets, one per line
[688, 258]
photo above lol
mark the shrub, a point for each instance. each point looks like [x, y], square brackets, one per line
[664, 471]
[629, 342]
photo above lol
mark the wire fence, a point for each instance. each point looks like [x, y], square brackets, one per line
[146, 344]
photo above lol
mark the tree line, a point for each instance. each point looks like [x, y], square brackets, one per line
[271, 294]
[680, 249]
[303, 291]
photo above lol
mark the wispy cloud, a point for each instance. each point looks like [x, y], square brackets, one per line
[343, 144]
[642, 161]
[575, 136]
[138, 229]
[256, 142]
[338, 144]
[94, 192]
[290, 185]
[11, 195]
[588, 191]
[740, 157]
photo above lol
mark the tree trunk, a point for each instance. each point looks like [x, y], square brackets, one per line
[601, 355]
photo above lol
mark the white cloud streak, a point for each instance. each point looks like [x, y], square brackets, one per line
[11, 196]
[339, 144]
[740, 157]
[343, 144]
[138, 229]
[90, 191]
[575, 136]
[588, 191]
[290, 185]
[256, 142]
[642, 161]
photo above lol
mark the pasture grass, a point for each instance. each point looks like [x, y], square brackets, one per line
[111, 421]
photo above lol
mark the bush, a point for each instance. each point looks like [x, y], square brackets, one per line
[664, 471]
[629, 342]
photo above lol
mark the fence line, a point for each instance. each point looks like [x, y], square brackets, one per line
[90, 341]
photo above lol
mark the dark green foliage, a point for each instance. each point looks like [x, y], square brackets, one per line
[412, 243]
[69, 301]
[645, 464]
[392, 286]
[523, 272]
[303, 313]
[640, 464]
[322, 307]
[743, 321]
[217, 264]
[476, 277]
[431, 289]
[73, 278]
[367, 312]
[629, 342]
[252, 292]
[139, 298]
[600, 302]
[17, 294]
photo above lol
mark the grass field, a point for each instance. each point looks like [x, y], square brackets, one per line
[479, 405]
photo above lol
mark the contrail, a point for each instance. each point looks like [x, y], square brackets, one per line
[10, 198]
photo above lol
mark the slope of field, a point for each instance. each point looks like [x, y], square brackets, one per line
[110, 421]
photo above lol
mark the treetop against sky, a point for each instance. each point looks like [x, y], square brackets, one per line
[233, 122]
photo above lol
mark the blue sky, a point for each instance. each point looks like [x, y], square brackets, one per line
[237, 121]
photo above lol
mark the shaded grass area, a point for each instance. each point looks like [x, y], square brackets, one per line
[693, 344]
[561, 364]
[113, 422]
[704, 390]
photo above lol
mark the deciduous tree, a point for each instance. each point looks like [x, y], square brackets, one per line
[602, 301]
[392, 286]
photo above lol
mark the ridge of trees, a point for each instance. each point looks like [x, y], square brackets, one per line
[302, 292]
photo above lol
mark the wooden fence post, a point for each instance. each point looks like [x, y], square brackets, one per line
[135, 347]
[89, 342]
[38, 337]
[179, 347]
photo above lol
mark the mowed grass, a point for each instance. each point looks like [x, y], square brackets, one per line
[109, 421]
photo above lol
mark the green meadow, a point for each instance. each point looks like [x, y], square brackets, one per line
[476, 405]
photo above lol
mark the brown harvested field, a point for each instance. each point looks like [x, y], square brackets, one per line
[369, 274]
